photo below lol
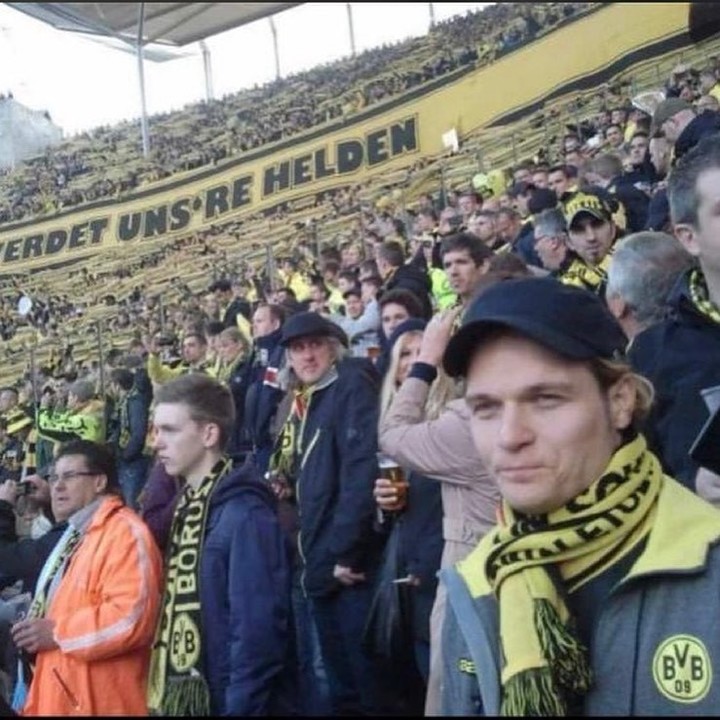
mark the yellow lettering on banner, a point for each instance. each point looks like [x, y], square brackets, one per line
[682, 670]
[373, 141]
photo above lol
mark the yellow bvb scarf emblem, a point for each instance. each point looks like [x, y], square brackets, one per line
[176, 685]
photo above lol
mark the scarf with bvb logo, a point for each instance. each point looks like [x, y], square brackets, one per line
[176, 685]
[546, 665]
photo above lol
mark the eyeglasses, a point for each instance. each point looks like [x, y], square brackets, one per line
[66, 477]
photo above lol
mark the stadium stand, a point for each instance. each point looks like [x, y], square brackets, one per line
[107, 162]
[68, 303]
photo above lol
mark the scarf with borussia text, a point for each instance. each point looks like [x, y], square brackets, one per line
[176, 685]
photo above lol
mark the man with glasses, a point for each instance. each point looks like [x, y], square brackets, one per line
[93, 615]
[551, 241]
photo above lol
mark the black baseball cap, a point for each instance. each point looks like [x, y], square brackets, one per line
[588, 203]
[305, 324]
[572, 321]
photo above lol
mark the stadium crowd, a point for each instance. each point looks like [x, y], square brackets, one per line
[107, 162]
[462, 462]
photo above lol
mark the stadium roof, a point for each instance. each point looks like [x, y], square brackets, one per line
[170, 23]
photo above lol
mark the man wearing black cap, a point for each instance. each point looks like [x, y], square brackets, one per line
[591, 235]
[596, 592]
[325, 462]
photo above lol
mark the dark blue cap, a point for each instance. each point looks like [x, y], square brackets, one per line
[571, 321]
[307, 324]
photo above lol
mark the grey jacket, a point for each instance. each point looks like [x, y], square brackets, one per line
[443, 449]
[656, 645]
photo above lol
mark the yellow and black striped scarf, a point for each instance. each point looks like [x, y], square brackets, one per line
[701, 298]
[176, 685]
[29, 464]
[546, 665]
[288, 448]
[582, 274]
[225, 370]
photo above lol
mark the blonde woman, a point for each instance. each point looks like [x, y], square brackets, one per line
[415, 536]
[432, 436]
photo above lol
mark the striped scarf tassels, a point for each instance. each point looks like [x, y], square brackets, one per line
[546, 665]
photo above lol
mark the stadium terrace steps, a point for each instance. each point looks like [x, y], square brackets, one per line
[482, 149]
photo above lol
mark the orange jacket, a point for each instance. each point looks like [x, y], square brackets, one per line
[105, 610]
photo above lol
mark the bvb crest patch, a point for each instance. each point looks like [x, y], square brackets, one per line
[184, 643]
[682, 670]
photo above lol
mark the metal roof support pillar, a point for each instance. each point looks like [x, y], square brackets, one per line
[275, 47]
[207, 66]
[141, 77]
[351, 27]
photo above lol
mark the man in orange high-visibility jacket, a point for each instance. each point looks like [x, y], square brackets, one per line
[92, 620]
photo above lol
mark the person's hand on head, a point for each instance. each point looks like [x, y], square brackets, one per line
[436, 336]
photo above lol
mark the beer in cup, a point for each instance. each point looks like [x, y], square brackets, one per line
[390, 470]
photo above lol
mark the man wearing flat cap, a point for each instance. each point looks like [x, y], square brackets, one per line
[683, 128]
[681, 125]
[325, 463]
[596, 592]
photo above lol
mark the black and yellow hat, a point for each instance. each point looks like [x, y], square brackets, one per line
[589, 204]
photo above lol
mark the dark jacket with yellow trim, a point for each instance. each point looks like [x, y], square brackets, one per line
[662, 607]
[680, 356]
[129, 427]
